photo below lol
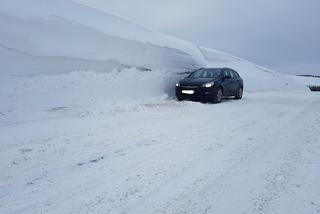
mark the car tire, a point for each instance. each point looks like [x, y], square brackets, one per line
[218, 96]
[239, 94]
[179, 99]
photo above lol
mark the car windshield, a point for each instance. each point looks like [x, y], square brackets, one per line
[206, 73]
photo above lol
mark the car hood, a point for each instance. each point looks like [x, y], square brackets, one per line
[195, 81]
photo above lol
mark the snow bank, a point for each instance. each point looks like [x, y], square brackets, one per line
[76, 13]
[58, 37]
[256, 78]
[66, 29]
[81, 89]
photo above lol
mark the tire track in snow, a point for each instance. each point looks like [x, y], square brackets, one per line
[214, 180]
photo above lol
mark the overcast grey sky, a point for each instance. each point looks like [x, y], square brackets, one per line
[280, 34]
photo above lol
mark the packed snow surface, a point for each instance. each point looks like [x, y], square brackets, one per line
[70, 143]
[257, 155]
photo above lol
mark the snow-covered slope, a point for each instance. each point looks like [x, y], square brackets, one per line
[307, 80]
[256, 78]
[56, 37]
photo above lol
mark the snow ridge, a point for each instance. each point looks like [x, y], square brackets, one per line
[56, 37]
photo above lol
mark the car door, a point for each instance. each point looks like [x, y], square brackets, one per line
[236, 81]
[227, 82]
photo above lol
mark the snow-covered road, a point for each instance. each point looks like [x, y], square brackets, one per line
[257, 155]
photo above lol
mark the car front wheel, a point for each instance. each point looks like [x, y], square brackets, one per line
[179, 98]
[218, 96]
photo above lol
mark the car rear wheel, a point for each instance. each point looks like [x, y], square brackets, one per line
[218, 96]
[239, 94]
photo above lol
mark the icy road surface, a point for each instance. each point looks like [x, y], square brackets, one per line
[258, 155]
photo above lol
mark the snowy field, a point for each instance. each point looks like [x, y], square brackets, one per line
[80, 150]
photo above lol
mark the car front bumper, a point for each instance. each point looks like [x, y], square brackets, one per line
[199, 93]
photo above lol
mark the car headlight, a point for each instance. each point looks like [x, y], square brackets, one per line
[178, 84]
[208, 84]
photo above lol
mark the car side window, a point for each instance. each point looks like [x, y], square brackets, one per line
[232, 74]
[236, 74]
[226, 73]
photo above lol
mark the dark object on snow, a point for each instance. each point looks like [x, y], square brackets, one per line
[210, 85]
[308, 75]
[314, 88]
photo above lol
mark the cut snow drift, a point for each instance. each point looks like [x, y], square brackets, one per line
[79, 89]
[56, 37]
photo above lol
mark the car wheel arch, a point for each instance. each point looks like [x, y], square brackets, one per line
[221, 87]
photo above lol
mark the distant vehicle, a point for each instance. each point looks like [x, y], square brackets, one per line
[210, 85]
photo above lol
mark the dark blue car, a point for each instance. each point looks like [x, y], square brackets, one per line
[210, 85]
